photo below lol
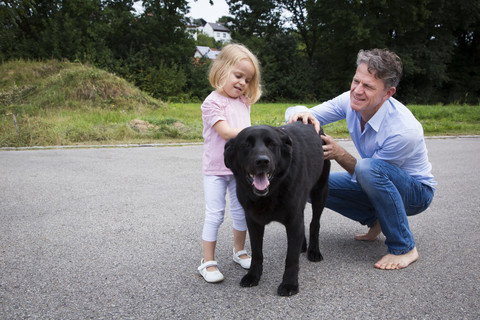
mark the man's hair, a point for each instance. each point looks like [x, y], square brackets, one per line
[386, 65]
[228, 57]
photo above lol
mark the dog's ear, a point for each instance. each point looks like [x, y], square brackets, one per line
[287, 145]
[228, 153]
[322, 134]
[284, 137]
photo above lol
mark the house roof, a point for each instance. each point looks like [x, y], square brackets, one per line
[199, 22]
[207, 52]
[218, 27]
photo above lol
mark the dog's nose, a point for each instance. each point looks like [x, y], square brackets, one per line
[262, 161]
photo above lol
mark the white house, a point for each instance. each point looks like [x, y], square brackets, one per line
[195, 26]
[209, 53]
[217, 31]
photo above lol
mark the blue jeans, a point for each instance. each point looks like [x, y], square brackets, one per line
[382, 192]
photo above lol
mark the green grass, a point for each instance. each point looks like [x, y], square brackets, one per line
[273, 114]
[448, 119]
[63, 103]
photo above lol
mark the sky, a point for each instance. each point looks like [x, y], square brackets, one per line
[202, 9]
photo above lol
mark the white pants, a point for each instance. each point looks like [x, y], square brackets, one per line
[215, 189]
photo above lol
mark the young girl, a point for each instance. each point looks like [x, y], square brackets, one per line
[235, 75]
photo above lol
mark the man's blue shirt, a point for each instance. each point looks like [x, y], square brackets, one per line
[393, 134]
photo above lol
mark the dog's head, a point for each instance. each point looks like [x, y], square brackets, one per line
[259, 157]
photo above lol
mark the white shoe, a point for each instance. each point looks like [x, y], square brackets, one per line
[210, 276]
[245, 263]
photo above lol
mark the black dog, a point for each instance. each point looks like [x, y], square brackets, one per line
[276, 170]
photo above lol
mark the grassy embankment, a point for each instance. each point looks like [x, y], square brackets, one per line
[60, 103]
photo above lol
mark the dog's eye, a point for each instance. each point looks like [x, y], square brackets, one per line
[248, 143]
[270, 143]
[245, 145]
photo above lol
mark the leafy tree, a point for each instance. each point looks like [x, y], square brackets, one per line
[197, 86]
[205, 40]
[307, 47]
[254, 17]
[73, 30]
[286, 74]
[19, 25]
[436, 39]
[463, 85]
[121, 34]
[161, 49]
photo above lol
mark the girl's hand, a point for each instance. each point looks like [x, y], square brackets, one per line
[225, 131]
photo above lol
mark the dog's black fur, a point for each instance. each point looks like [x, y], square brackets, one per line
[276, 170]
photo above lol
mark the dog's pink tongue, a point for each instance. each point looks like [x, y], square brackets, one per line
[260, 182]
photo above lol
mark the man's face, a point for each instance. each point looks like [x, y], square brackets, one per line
[367, 93]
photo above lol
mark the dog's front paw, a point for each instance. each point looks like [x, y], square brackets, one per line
[249, 280]
[286, 290]
[314, 255]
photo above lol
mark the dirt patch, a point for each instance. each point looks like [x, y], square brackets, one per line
[142, 126]
[178, 125]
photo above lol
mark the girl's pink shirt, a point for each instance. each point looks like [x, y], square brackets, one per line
[215, 108]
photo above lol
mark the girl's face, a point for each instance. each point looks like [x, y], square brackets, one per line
[238, 79]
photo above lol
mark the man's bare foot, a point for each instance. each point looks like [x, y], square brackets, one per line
[396, 262]
[372, 233]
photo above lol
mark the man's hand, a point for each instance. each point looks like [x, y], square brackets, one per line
[306, 117]
[333, 151]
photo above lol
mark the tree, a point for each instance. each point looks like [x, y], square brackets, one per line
[307, 47]
[205, 40]
[463, 85]
[20, 25]
[436, 39]
[254, 17]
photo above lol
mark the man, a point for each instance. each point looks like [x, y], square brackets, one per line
[393, 179]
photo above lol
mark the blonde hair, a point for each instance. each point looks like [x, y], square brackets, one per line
[228, 57]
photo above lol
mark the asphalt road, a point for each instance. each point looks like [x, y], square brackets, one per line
[115, 233]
